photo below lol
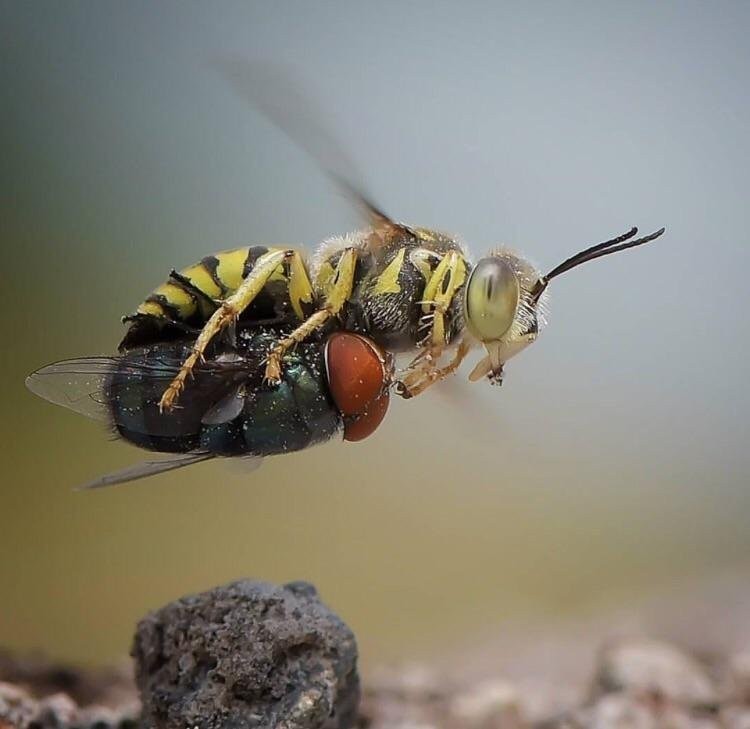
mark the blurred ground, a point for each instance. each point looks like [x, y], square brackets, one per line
[677, 660]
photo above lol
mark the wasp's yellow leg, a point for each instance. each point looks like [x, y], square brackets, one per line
[448, 277]
[339, 292]
[227, 313]
[300, 289]
[425, 374]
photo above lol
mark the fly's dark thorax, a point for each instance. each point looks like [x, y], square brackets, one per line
[387, 303]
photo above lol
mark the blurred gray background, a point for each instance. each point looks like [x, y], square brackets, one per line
[613, 462]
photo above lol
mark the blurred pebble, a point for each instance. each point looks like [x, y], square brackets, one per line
[17, 708]
[490, 705]
[617, 711]
[656, 668]
[735, 717]
[20, 710]
[627, 711]
[739, 672]
[57, 710]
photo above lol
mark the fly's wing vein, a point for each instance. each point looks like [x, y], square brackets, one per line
[84, 385]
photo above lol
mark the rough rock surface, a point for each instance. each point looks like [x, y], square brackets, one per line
[247, 655]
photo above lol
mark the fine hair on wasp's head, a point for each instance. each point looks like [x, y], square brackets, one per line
[504, 299]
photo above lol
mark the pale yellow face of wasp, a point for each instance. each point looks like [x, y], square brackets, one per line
[499, 310]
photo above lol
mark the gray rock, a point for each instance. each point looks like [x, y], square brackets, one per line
[247, 655]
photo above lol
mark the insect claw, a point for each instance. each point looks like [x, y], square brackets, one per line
[495, 377]
[273, 370]
[165, 404]
[403, 390]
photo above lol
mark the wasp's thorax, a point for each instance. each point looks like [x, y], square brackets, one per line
[501, 310]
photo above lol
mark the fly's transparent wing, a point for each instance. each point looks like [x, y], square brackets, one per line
[240, 464]
[86, 385]
[75, 384]
[145, 469]
[89, 384]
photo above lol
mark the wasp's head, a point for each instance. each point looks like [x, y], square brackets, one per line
[505, 300]
[500, 309]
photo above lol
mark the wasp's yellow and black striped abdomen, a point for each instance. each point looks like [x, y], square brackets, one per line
[184, 302]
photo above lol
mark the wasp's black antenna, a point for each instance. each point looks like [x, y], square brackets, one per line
[620, 243]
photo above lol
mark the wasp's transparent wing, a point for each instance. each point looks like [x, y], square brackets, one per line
[145, 469]
[274, 92]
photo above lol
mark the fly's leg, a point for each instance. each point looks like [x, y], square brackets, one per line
[339, 292]
[228, 312]
[425, 374]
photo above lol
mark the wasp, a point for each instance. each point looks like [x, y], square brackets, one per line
[409, 289]
[332, 386]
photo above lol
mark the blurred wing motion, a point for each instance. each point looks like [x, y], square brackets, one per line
[273, 92]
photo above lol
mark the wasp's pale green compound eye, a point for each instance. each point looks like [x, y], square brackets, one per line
[491, 301]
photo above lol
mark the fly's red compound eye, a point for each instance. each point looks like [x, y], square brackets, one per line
[363, 425]
[357, 377]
